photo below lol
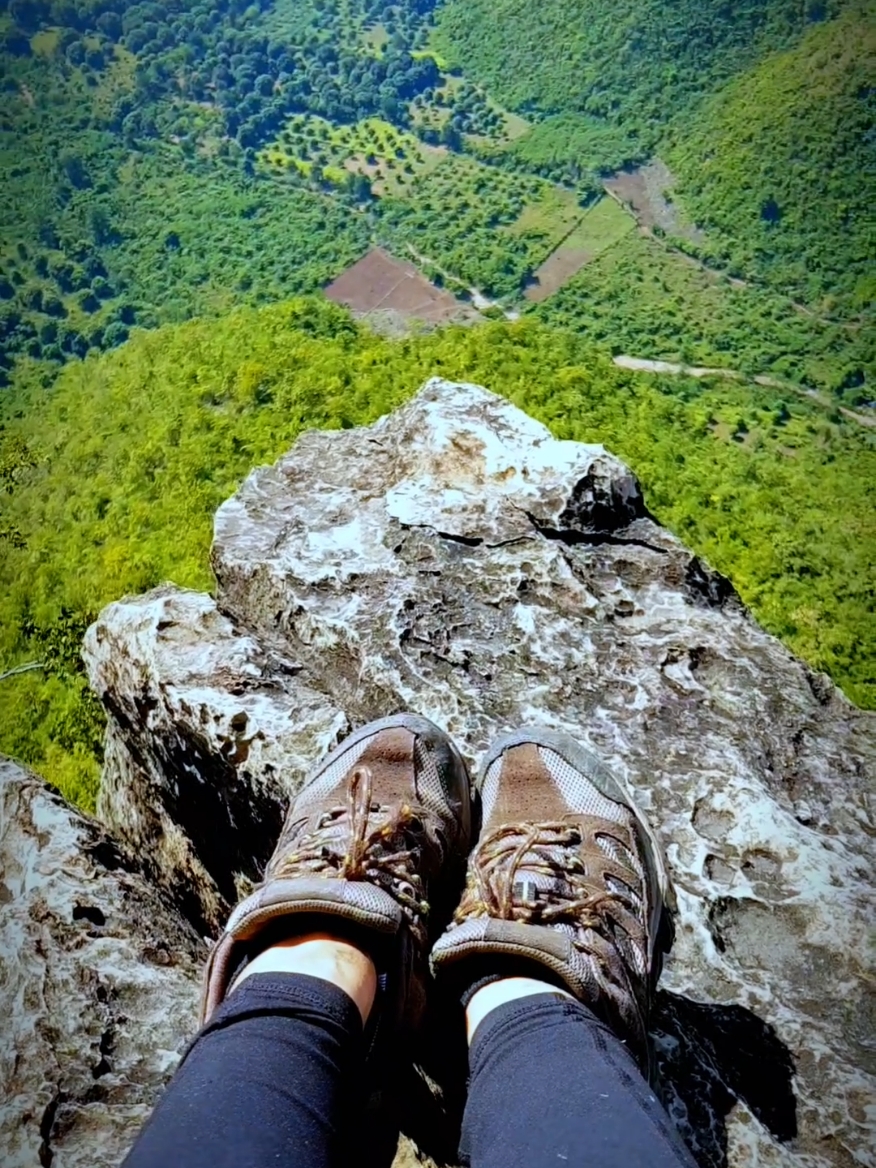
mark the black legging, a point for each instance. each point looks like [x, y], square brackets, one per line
[274, 1080]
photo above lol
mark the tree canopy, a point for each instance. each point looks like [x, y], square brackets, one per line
[116, 477]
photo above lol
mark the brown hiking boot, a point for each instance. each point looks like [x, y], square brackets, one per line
[567, 874]
[373, 838]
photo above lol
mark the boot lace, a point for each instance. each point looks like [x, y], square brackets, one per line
[386, 854]
[548, 849]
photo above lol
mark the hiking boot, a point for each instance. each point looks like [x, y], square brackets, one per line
[376, 835]
[567, 877]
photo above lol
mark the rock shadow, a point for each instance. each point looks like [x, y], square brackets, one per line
[710, 1057]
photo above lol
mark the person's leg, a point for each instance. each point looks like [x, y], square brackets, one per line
[373, 846]
[552, 1085]
[275, 1075]
[556, 948]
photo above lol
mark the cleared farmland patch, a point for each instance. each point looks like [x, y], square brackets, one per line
[560, 266]
[379, 283]
[645, 190]
[598, 229]
[553, 213]
[602, 225]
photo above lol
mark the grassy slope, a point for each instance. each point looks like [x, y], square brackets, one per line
[134, 450]
[647, 301]
[632, 65]
[798, 130]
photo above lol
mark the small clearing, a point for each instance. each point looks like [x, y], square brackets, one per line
[644, 190]
[376, 39]
[555, 214]
[560, 266]
[601, 226]
[381, 284]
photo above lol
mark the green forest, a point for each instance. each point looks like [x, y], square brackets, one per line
[789, 196]
[182, 180]
[630, 68]
[182, 158]
[115, 480]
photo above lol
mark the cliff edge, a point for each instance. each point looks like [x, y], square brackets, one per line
[457, 560]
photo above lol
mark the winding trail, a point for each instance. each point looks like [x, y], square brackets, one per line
[478, 299]
[646, 365]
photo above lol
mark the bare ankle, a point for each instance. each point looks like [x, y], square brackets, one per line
[324, 956]
[498, 993]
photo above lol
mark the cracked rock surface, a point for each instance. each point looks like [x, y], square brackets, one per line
[98, 984]
[457, 560]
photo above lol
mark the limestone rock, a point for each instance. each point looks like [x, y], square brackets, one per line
[98, 985]
[457, 560]
[193, 700]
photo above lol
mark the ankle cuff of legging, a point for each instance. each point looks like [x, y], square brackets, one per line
[475, 973]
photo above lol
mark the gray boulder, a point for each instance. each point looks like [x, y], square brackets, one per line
[98, 984]
[456, 559]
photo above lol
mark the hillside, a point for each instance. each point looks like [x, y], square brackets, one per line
[627, 69]
[643, 299]
[195, 160]
[773, 152]
[778, 168]
[114, 480]
[183, 159]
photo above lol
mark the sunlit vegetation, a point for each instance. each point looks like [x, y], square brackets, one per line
[388, 159]
[628, 68]
[641, 298]
[100, 233]
[183, 157]
[603, 225]
[201, 158]
[114, 482]
[488, 228]
[569, 148]
[788, 196]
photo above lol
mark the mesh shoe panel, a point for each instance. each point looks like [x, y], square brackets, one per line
[323, 785]
[490, 789]
[579, 793]
[428, 780]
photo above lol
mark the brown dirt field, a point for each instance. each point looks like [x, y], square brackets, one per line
[642, 189]
[380, 283]
[630, 188]
[557, 269]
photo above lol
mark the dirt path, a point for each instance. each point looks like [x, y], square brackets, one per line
[478, 299]
[646, 365]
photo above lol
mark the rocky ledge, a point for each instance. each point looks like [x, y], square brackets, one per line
[454, 559]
